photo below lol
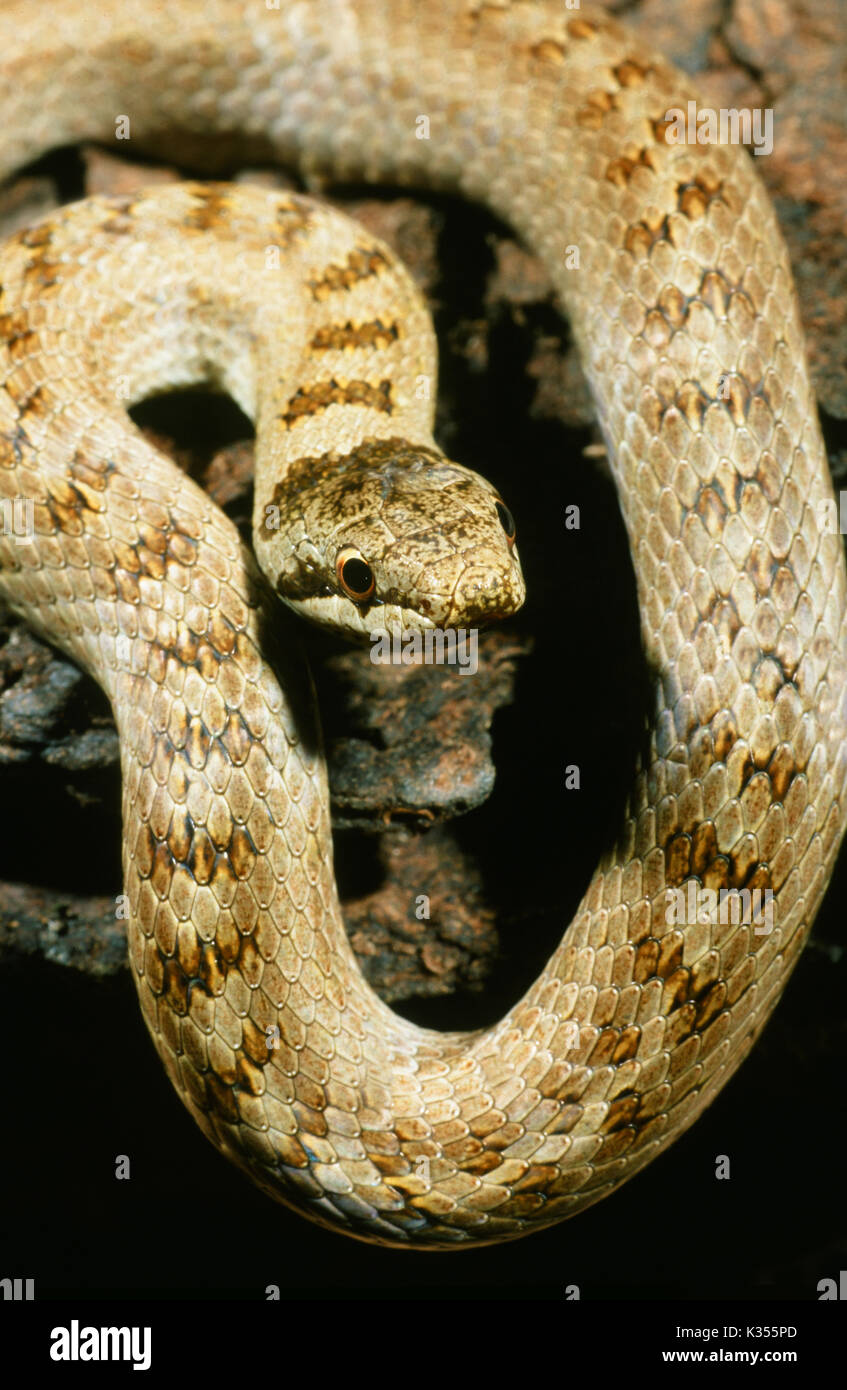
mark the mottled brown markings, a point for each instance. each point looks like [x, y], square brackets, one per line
[221, 635]
[180, 833]
[548, 51]
[181, 547]
[198, 742]
[310, 400]
[311, 1096]
[176, 986]
[242, 853]
[30, 400]
[236, 739]
[39, 236]
[596, 107]
[248, 1077]
[632, 73]
[12, 325]
[302, 583]
[677, 859]
[675, 994]
[782, 769]
[622, 1112]
[67, 506]
[583, 28]
[336, 337]
[770, 674]
[640, 237]
[126, 587]
[716, 875]
[627, 1045]
[92, 473]
[119, 222]
[255, 1042]
[704, 973]
[743, 861]
[762, 566]
[646, 960]
[660, 127]
[733, 394]
[213, 207]
[19, 340]
[620, 171]
[694, 198]
[692, 402]
[604, 1048]
[711, 508]
[41, 274]
[202, 857]
[361, 264]
[724, 733]
[220, 1099]
[760, 878]
[710, 1005]
[670, 955]
[372, 455]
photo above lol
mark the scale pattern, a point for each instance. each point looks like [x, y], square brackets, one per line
[685, 313]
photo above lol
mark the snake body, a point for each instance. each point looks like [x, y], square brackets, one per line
[686, 318]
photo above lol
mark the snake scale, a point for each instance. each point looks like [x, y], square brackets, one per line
[685, 314]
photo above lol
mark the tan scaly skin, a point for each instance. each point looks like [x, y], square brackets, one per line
[685, 313]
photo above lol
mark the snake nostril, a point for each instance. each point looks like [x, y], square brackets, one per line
[478, 582]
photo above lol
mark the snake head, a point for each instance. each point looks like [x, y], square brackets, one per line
[389, 535]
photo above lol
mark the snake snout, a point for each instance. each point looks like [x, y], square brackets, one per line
[484, 594]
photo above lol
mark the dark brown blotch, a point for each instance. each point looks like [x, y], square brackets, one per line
[212, 208]
[641, 237]
[310, 400]
[548, 51]
[242, 853]
[622, 1112]
[342, 336]
[632, 73]
[782, 770]
[583, 28]
[711, 509]
[677, 859]
[213, 971]
[361, 264]
[248, 1077]
[646, 960]
[693, 199]
[724, 734]
[710, 1005]
[620, 171]
[693, 402]
[627, 1045]
[201, 856]
[596, 107]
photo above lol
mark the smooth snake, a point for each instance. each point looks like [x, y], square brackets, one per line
[684, 310]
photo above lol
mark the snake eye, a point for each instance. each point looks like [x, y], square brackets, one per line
[354, 575]
[507, 521]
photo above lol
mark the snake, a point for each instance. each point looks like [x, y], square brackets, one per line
[666, 256]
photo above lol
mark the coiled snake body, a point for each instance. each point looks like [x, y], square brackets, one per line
[685, 313]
